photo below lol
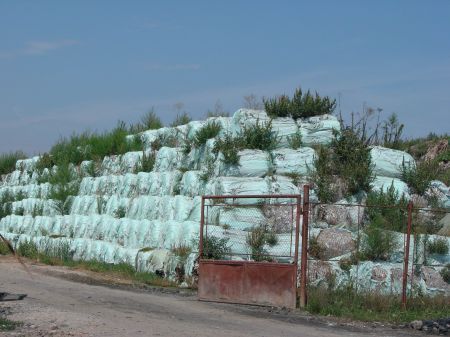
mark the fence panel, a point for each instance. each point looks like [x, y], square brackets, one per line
[249, 249]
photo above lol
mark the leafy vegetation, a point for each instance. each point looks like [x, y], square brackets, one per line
[208, 131]
[344, 168]
[62, 256]
[8, 161]
[378, 243]
[300, 106]
[419, 177]
[181, 119]
[149, 121]
[295, 141]
[438, 246]
[215, 248]
[65, 185]
[365, 306]
[259, 136]
[90, 146]
[387, 210]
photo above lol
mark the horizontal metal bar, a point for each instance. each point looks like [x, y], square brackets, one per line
[230, 262]
[250, 196]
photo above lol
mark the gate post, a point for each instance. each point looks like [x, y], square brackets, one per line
[202, 223]
[405, 267]
[304, 261]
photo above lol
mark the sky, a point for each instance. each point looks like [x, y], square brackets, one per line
[71, 66]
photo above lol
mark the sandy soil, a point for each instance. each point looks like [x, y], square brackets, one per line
[64, 302]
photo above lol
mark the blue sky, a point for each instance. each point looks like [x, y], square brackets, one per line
[68, 66]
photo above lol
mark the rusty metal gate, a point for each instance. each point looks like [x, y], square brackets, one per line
[249, 249]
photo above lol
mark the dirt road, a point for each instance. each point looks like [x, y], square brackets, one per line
[58, 306]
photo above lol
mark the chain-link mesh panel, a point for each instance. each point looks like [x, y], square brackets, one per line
[259, 229]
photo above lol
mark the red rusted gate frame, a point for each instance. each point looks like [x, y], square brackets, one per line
[249, 282]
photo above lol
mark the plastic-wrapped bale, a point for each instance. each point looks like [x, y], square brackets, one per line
[191, 184]
[388, 162]
[164, 208]
[318, 129]
[281, 185]
[237, 218]
[252, 163]
[289, 161]
[241, 186]
[246, 118]
[384, 183]
[193, 127]
[28, 164]
[86, 205]
[285, 128]
[168, 159]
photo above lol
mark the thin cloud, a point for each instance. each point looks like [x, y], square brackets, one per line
[172, 67]
[43, 47]
[38, 48]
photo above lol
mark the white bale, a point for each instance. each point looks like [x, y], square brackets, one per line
[252, 163]
[288, 161]
[384, 183]
[318, 129]
[388, 162]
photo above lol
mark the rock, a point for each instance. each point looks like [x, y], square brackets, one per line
[439, 191]
[435, 150]
[433, 279]
[416, 325]
[340, 214]
[388, 162]
[378, 273]
[336, 242]
[445, 223]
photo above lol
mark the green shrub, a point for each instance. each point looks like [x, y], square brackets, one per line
[229, 147]
[322, 175]
[65, 185]
[352, 161]
[343, 169]
[438, 246]
[215, 248]
[419, 177]
[377, 244]
[277, 106]
[8, 161]
[181, 119]
[149, 121]
[120, 212]
[208, 131]
[295, 141]
[208, 171]
[146, 163]
[387, 209]
[259, 137]
[300, 106]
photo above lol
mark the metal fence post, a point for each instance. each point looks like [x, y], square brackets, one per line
[405, 267]
[202, 222]
[304, 261]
